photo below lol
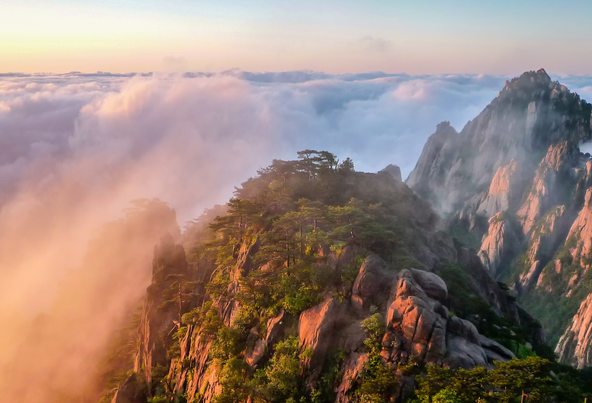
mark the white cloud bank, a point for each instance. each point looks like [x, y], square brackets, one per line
[209, 132]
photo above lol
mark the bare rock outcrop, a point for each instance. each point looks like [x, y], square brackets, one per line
[372, 283]
[544, 240]
[548, 183]
[520, 123]
[157, 322]
[575, 346]
[394, 170]
[316, 330]
[505, 186]
[431, 167]
[499, 244]
[429, 333]
[412, 301]
[520, 157]
[418, 327]
[258, 347]
[580, 233]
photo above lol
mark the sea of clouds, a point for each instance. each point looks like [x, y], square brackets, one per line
[189, 139]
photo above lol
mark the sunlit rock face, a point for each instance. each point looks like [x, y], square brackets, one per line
[499, 243]
[549, 183]
[502, 191]
[514, 185]
[575, 346]
[580, 233]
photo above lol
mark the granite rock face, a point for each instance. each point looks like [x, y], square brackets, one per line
[527, 117]
[418, 324]
[581, 233]
[503, 190]
[575, 346]
[430, 176]
[551, 176]
[515, 179]
[499, 244]
[169, 261]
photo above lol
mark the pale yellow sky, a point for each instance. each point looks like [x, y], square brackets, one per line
[336, 37]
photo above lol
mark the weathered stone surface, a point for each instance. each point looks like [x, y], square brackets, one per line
[351, 337]
[258, 347]
[545, 238]
[348, 256]
[255, 348]
[315, 330]
[499, 244]
[428, 332]
[353, 368]
[521, 122]
[157, 324]
[441, 247]
[531, 277]
[464, 354]
[502, 190]
[430, 168]
[274, 327]
[431, 284]
[484, 285]
[580, 232]
[244, 262]
[372, 283]
[495, 351]
[575, 346]
[519, 156]
[548, 182]
[464, 329]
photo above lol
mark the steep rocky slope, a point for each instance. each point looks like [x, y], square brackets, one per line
[318, 284]
[514, 185]
[575, 345]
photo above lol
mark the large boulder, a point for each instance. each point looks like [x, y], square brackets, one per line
[372, 283]
[316, 330]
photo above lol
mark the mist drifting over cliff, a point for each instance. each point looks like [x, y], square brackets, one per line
[75, 149]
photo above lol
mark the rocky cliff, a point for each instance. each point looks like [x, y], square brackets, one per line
[514, 185]
[529, 115]
[575, 346]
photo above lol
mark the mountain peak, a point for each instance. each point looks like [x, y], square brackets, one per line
[529, 80]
